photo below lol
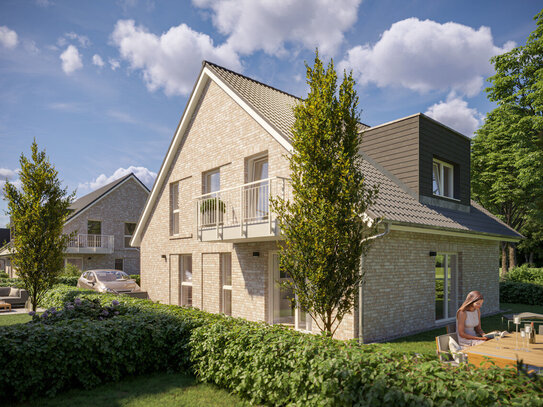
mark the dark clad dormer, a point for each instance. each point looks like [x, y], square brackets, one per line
[409, 147]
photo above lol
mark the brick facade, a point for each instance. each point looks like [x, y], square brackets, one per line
[399, 291]
[123, 204]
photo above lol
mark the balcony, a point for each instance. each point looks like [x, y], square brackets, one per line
[88, 244]
[241, 213]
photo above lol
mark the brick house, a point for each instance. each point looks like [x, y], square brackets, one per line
[103, 223]
[208, 239]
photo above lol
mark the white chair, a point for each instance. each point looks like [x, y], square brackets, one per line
[445, 353]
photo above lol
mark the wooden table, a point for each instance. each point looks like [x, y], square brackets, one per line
[5, 305]
[507, 354]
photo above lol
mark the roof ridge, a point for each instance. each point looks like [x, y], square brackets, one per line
[204, 62]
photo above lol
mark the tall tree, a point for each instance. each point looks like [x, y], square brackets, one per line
[37, 215]
[323, 223]
[507, 151]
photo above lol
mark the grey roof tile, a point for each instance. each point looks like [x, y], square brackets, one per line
[394, 202]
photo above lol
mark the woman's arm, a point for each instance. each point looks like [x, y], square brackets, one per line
[462, 332]
[478, 328]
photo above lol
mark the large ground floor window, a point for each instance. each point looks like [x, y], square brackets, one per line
[283, 308]
[226, 283]
[446, 284]
[76, 261]
[185, 277]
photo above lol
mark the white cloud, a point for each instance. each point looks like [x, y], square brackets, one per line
[252, 25]
[425, 55]
[114, 63]
[171, 60]
[7, 173]
[456, 114]
[82, 39]
[71, 60]
[10, 175]
[8, 38]
[97, 60]
[146, 176]
[31, 47]
[44, 3]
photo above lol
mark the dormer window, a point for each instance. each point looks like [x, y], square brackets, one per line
[443, 179]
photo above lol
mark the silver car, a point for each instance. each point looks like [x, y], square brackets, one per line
[107, 281]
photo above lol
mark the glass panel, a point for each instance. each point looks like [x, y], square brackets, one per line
[186, 295]
[129, 228]
[436, 179]
[127, 241]
[212, 182]
[174, 195]
[227, 298]
[283, 306]
[439, 286]
[94, 227]
[447, 181]
[227, 269]
[119, 264]
[453, 285]
[175, 223]
[185, 268]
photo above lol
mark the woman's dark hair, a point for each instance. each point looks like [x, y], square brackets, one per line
[472, 297]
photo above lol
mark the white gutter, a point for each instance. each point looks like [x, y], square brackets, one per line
[361, 287]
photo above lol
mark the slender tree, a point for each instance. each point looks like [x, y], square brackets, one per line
[507, 151]
[323, 223]
[37, 215]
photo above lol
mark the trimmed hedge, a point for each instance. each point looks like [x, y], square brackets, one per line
[269, 365]
[525, 274]
[17, 282]
[521, 293]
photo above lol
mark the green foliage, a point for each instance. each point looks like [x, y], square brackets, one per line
[80, 308]
[507, 152]
[521, 293]
[71, 270]
[3, 275]
[11, 282]
[322, 223]
[210, 205]
[525, 274]
[269, 365]
[37, 212]
[136, 277]
[67, 280]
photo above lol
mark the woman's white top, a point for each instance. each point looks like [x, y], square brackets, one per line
[472, 320]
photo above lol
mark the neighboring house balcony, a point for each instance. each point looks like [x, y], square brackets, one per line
[101, 244]
[242, 213]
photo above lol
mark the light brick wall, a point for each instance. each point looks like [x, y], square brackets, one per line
[398, 296]
[123, 204]
[399, 292]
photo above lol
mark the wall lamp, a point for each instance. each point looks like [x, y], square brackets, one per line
[164, 257]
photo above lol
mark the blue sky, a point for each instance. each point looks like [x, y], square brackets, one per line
[102, 84]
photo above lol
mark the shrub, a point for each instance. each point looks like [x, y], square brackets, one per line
[88, 309]
[136, 277]
[70, 270]
[41, 359]
[521, 293]
[11, 282]
[525, 274]
[3, 274]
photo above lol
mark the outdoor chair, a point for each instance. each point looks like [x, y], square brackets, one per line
[444, 351]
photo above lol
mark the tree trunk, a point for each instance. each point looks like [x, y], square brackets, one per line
[504, 258]
[531, 261]
[512, 256]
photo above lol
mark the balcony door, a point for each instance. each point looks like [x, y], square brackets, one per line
[446, 286]
[257, 192]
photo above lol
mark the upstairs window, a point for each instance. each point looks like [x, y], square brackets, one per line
[211, 181]
[129, 229]
[443, 179]
[174, 208]
[94, 227]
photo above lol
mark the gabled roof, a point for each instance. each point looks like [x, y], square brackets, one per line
[272, 109]
[90, 199]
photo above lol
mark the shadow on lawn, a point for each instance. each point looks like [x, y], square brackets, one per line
[151, 390]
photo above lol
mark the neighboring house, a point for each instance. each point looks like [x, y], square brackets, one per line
[208, 239]
[102, 224]
[4, 240]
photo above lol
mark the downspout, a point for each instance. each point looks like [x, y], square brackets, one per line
[361, 287]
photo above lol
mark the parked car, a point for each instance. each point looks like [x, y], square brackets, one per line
[108, 281]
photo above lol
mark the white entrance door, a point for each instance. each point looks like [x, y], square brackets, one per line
[282, 307]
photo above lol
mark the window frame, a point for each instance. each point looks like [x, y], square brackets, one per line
[129, 236]
[174, 210]
[441, 182]
[96, 221]
[455, 283]
[206, 181]
[226, 258]
[182, 282]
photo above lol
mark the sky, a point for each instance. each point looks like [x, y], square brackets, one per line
[101, 85]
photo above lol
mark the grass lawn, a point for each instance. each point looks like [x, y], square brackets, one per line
[425, 342]
[152, 390]
[14, 319]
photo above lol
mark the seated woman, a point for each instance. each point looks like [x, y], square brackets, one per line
[468, 321]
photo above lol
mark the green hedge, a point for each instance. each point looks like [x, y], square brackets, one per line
[268, 365]
[525, 274]
[41, 359]
[521, 293]
[17, 282]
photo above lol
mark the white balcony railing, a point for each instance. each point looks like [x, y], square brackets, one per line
[240, 212]
[91, 244]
